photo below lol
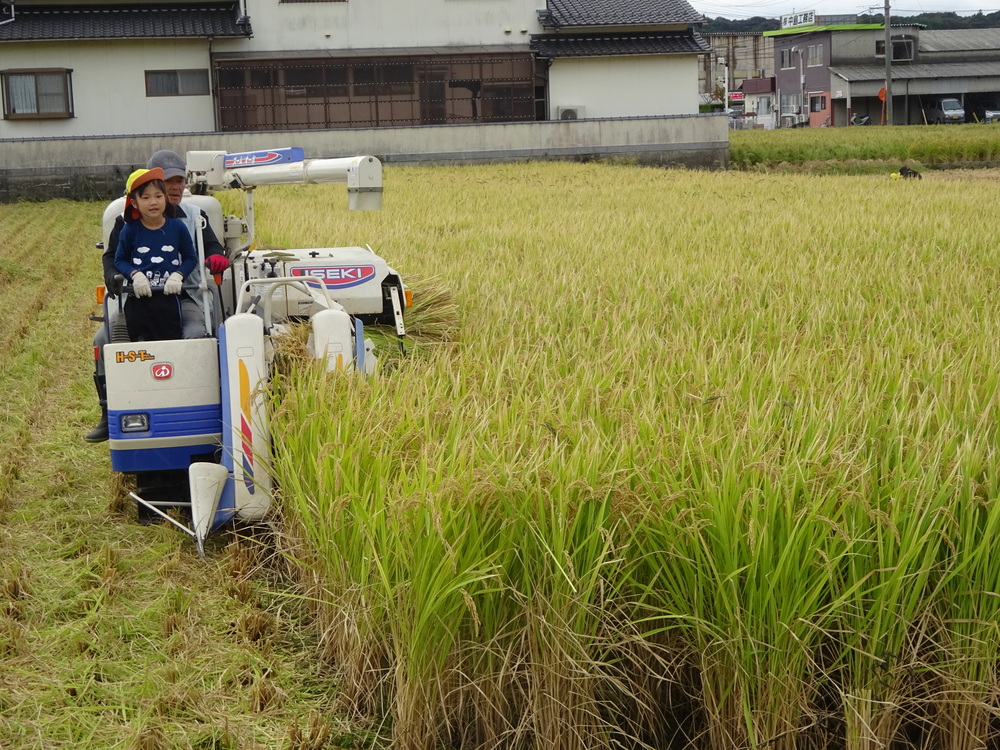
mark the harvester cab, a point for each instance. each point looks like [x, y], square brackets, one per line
[188, 417]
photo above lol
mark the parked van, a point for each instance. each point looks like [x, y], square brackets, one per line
[944, 109]
[987, 110]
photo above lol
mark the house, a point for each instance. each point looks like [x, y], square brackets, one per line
[826, 74]
[759, 103]
[81, 68]
[619, 58]
[746, 55]
[72, 70]
[742, 66]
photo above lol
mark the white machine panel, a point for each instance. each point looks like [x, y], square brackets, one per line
[162, 374]
[353, 277]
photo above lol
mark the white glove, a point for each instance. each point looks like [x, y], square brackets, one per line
[173, 285]
[140, 285]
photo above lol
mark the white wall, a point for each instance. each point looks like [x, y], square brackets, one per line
[625, 86]
[386, 24]
[109, 87]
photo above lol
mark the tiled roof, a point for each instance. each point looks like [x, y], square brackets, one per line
[624, 43]
[39, 23]
[758, 85]
[566, 13]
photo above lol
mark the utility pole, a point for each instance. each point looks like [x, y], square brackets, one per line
[803, 109]
[725, 91]
[888, 66]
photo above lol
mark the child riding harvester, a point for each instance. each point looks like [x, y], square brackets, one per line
[187, 416]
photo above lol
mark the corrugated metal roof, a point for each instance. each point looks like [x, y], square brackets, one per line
[568, 13]
[550, 46]
[856, 73]
[43, 23]
[959, 40]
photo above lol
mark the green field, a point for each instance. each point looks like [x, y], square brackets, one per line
[676, 458]
[864, 150]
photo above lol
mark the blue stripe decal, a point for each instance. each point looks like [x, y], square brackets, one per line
[171, 422]
[156, 459]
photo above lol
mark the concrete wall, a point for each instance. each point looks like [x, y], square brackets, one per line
[855, 47]
[625, 86]
[96, 168]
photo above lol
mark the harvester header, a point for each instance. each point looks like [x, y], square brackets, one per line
[210, 171]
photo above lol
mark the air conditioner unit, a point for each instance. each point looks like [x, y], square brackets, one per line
[576, 112]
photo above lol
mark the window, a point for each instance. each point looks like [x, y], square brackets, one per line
[902, 49]
[37, 94]
[817, 103]
[815, 55]
[304, 82]
[368, 91]
[176, 82]
[786, 59]
[312, 81]
[789, 104]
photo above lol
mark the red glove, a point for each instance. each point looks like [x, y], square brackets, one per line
[217, 263]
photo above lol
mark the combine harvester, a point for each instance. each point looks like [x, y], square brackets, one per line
[188, 417]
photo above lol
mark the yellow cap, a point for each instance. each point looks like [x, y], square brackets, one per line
[140, 177]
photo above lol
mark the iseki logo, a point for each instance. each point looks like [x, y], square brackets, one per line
[337, 276]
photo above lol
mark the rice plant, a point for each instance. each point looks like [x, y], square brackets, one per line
[859, 150]
[692, 458]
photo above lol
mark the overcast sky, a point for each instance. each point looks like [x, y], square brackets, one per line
[777, 8]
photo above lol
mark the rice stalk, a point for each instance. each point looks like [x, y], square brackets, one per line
[732, 461]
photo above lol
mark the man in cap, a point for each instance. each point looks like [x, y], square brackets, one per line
[175, 178]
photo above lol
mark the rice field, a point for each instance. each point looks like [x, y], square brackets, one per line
[859, 150]
[676, 459]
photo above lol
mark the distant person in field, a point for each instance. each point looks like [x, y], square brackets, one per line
[175, 179]
[154, 250]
